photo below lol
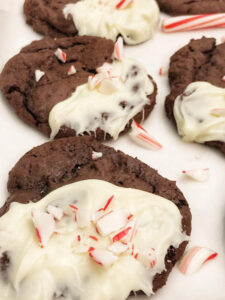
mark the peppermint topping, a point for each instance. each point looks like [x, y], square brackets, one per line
[163, 71]
[38, 75]
[118, 49]
[96, 155]
[72, 70]
[124, 4]
[193, 259]
[103, 257]
[118, 248]
[198, 174]
[142, 137]
[61, 55]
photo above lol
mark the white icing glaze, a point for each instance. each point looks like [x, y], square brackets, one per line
[64, 266]
[196, 114]
[87, 109]
[136, 23]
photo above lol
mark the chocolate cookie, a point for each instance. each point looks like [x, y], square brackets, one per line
[183, 7]
[42, 80]
[200, 60]
[67, 160]
[135, 21]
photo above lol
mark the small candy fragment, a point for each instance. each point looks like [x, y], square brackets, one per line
[112, 222]
[96, 155]
[147, 258]
[109, 86]
[223, 78]
[198, 174]
[218, 112]
[103, 257]
[133, 228]
[118, 48]
[118, 248]
[71, 70]
[38, 75]
[142, 137]
[195, 258]
[83, 217]
[120, 235]
[44, 224]
[55, 211]
[163, 71]
[94, 81]
[107, 204]
[124, 4]
[61, 55]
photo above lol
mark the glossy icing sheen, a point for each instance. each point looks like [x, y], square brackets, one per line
[136, 23]
[36, 273]
[200, 113]
[87, 109]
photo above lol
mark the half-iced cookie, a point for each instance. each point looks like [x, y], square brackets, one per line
[184, 7]
[75, 86]
[196, 103]
[134, 20]
[114, 227]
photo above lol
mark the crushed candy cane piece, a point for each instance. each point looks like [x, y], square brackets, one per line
[94, 81]
[103, 257]
[109, 86]
[44, 224]
[118, 48]
[193, 22]
[218, 112]
[72, 70]
[118, 248]
[142, 137]
[106, 68]
[119, 236]
[223, 78]
[61, 55]
[107, 204]
[38, 75]
[112, 222]
[83, 217]
[124, 4]
[96, 155]
[93, 237]
[195, 258]
[55, 211]
[223, 39]
[97, 215]
[78, 238]
[147, 258]
[163, 71]
[198, 174]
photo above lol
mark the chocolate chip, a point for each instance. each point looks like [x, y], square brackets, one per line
[136, 87]
[123, 104]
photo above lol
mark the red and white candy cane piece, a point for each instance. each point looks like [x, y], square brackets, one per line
[124, 4]
[105, 68]
[142, 137]
[107, 204]
[163, 71]
[118, 48]
[218, 112]
[200, 175]
[94, 81]
[83, 217]
[38, 75]
[130, 236]
[195, 258]
[112, 222]
[223, 78]
[56, 212]
[147, 258]
[193, 22]
[44, 224]
[96, 155]
[61, 55]
[72, 70]
[118, 248]
[103, 257]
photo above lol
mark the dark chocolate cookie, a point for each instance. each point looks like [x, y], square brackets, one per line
[33, 100]
[67, 160]
[199, 60]
[183, 7]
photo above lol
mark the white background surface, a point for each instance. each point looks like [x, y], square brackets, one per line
[207, 200]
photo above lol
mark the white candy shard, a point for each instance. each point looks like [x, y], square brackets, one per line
[44, 224]
[118, 48]
[96, 155]
[118, 248]
[147, 258]
[38, 75]
[94, 81]
[129, 236]
[106, 68]
[56, 212]
[109, 86]
[142, 137]
[112, 221]
[195, 258]
[61, 55]
[72, 70]
[103, 257]
[198, 174]
[223, 78]
[124, 4]
[83, 217]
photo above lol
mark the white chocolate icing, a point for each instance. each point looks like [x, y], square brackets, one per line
[197, 113]
[136, 23]
[88, 109]
[64, 266]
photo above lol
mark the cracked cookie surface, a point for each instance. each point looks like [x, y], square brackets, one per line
[67, 160]
[184, 7]
[199, 60]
